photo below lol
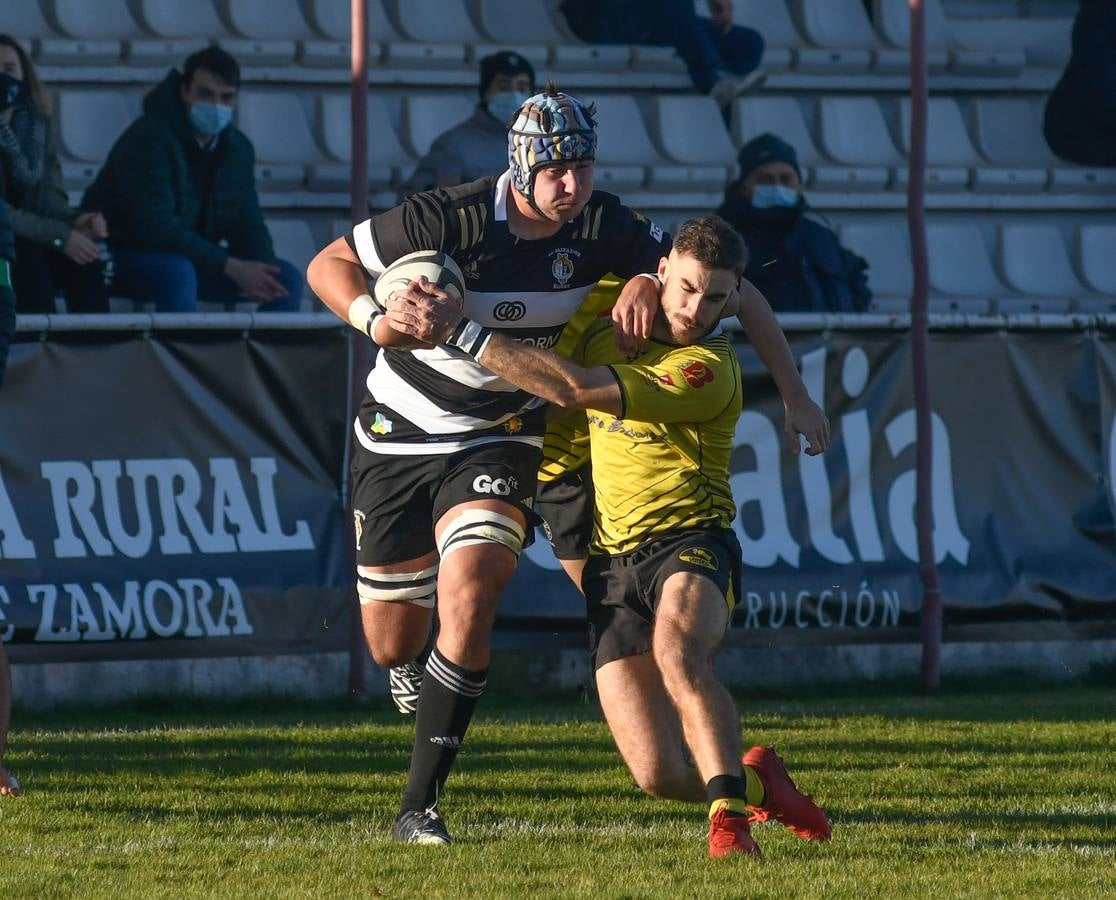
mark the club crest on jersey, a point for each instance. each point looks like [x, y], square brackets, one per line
[696, 373]
[699, 556]
[358, 525]
[380, 425]
[514, 425]
[562, 268]
[469, 270]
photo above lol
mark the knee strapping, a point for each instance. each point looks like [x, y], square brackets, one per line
[481, 526]
[417, 588]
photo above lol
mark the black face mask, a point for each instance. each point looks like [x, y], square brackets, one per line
[11, 91]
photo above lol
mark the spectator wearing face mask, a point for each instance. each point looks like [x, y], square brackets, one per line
[795, 261]
[179, 192]
[57, 247]
[478, 146]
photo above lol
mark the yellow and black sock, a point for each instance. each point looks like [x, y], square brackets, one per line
[726, 792]
[754, 790]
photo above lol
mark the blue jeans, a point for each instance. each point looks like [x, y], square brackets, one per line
[174, 285]
[706, 50]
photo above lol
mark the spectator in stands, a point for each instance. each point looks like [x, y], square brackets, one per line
[1080, 121]
[179, 191]
[478, 146]
[723, 58]
[796, 262]
[56, 246]
[7, 295]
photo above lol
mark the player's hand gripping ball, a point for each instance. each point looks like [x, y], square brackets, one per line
[422, 295]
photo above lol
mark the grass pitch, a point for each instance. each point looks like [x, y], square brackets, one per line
[978, 792]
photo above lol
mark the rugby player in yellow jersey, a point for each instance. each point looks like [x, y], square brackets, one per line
[664, 570]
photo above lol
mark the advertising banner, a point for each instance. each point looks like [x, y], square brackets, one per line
[173, 493]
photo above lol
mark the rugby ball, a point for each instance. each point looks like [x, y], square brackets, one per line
[439, 269]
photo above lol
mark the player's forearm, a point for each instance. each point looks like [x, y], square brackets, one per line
[763, 330]
[549, 376]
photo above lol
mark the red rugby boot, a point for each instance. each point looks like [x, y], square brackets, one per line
[783, 801]
[728, 833]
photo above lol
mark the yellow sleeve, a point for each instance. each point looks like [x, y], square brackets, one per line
[690, 384]
[602, 297]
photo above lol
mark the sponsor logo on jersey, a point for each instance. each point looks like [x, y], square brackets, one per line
[509, 311]
[656, 232]
[514, 425]
[380, 425]
[469, 270]
[696, 373]
[358, 525]
[666, 379]
[501, 487]
[699, 556]
[562, 268]
[544, 342]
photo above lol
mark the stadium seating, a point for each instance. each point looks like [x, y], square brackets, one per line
[962, 276]
[388, 162]
[286, 153]
[1037, 265]
[887, 249]
[836, 90]
[90, 122]
[294, 242]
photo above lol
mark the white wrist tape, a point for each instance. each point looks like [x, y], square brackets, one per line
[654, 276]
[363, 314]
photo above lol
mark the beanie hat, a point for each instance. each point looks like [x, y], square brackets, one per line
[764, 149]
[503, 63]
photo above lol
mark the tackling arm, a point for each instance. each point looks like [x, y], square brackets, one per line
[547, 375]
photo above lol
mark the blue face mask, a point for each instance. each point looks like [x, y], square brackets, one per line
[504, 105]
[210, 119]
[767, 196]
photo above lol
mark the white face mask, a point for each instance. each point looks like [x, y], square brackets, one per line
[766, 196]
[503, 106]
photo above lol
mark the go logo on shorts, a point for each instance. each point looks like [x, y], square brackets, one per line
[501, 487]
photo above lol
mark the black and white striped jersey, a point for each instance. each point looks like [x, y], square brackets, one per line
[433, 401]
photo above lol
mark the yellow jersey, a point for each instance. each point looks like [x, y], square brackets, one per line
[662, 465]
[566, 445]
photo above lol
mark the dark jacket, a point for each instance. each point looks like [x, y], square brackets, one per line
[161, 192]
[7, 295]
[43, 213]
[1080, 123]
[797, 263]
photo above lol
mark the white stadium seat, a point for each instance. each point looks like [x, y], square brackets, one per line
[1096, 257]
[25, 22]
[426, 116]
[843, 39]
[690, 131]
[1036, 263]
[268, 20]
[961, 269]
[887, 248]
[280, 132]
[525, 26]
[772, 19]
[949, 152]
[294, 242]
[105, 20]
[853, 132]
[89, 122]
[624, 149]
[332, 19]
[783, 117]
[386, 157]
[436, 22]
[199, 20]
